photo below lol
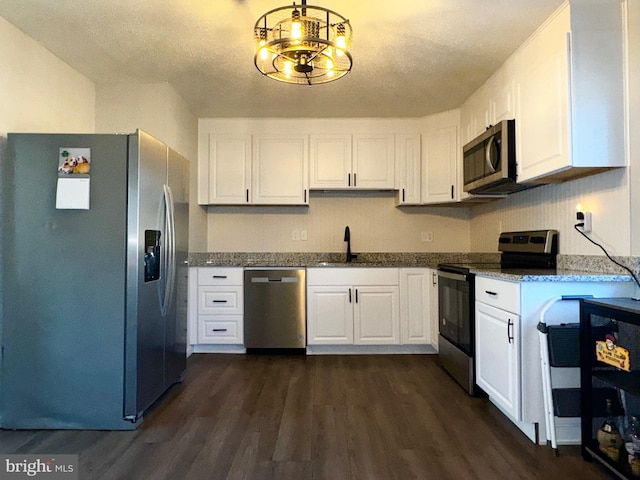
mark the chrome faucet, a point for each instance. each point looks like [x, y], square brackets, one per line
[347, 238]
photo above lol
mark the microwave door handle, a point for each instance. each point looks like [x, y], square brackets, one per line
[487, 153]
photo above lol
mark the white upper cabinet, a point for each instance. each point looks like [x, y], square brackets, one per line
[242, 169]
[570, 91]
[373, 161]
[358, 161]
[279, 169]
[330, 161]
[542, 126]
[224, 176]
[440, 165]
[428, 165]
[408, 168]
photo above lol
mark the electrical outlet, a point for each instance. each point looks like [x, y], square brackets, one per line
[426, 237]
[303, 235]
[295, 235]
[584, 218]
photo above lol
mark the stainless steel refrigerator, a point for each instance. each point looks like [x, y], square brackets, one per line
[92, 262]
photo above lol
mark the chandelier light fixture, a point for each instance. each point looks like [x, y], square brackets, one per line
[303, 44]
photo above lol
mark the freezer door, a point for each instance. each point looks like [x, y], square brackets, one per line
[147, 273]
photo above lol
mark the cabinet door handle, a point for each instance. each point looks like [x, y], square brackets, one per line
[355, 182]
[247, 195]
[219, 329]
[348, 179]
[452, 192]
[356, 295]
[349, 295]
[509, 328]
[493, 294]
[219, 276]
[305, 195]
[434, 278]
[403, 194]
[219, 301]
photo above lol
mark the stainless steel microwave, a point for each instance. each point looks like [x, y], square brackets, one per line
[489, 161]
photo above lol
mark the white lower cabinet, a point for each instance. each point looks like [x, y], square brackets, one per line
[498, 356]
[507, 340]
[376, 318]
[347, 306]
[415, 305]
[216, 295]
[329, 315]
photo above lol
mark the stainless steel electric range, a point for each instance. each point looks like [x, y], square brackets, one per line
[529, 251]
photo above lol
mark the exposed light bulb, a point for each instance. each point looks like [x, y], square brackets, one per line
[264, 52]
[296, 29]
[341, 42]
[288, 68]
[330, 73]
[329, 64]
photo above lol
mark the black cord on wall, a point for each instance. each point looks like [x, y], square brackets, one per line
[605, 252]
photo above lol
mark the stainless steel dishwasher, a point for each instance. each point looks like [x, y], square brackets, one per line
[275, 309]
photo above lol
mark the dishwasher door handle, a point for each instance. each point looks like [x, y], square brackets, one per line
[274, 280]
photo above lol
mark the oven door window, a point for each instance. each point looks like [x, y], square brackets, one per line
[455, 318]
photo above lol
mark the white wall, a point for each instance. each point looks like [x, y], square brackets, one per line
[38, 91]
[159, 110]
[554, 206]
[375, 224]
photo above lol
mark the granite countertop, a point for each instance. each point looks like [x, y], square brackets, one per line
[333, 260]
[581, 268]
[558, 275]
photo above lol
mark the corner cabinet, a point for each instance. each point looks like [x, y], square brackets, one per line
[428, 167]
[254, 170]
[610, 349]
[440, 161]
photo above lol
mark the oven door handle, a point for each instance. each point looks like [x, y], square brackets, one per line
[453, 276]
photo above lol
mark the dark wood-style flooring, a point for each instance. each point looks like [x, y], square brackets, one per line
[394, 417]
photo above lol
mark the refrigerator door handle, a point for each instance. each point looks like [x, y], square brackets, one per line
[170, 249]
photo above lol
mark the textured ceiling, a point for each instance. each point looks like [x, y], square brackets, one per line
[411, 58]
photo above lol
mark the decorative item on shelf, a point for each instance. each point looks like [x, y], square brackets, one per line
[609, 438]
[303, 44]
[632, 445]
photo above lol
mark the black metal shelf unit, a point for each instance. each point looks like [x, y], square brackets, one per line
[609, 334]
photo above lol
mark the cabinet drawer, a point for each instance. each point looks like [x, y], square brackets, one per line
[220, 276]
[220, 329]
[220, 300]
[499, 293]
